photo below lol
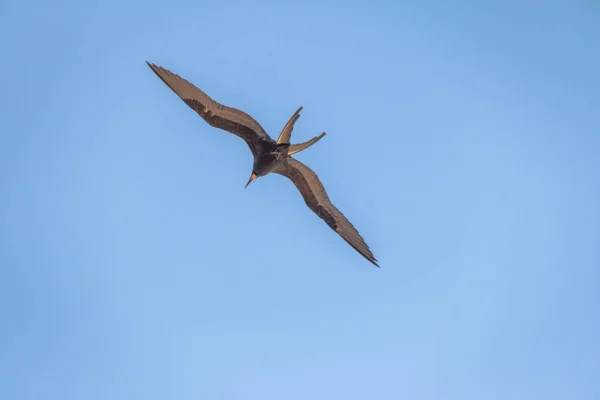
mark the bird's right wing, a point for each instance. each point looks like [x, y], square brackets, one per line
[317, 200]
[227, 118]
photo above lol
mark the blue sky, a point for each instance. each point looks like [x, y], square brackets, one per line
[463, 142]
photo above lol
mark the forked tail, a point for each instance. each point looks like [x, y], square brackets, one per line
[295, 148]
[286, 135]
[286, 132]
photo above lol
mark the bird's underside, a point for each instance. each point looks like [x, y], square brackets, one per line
[267, 154]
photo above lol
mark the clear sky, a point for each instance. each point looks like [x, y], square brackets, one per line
[463, 143]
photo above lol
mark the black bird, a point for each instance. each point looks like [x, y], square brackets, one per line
[269, 155]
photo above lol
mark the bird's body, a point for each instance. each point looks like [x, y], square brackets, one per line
[270, 156]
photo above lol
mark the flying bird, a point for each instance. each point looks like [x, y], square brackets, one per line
[269, 155]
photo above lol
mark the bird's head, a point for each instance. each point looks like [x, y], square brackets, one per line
[252, 177]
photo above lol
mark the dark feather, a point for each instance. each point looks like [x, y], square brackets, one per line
[317, 200]
[227, 118]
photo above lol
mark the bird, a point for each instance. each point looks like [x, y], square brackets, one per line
[270, 156]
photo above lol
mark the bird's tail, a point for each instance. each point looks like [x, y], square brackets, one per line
[286, 135]
[295, 148]
[286, 132]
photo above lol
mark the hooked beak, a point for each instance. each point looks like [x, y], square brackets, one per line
[252, 177]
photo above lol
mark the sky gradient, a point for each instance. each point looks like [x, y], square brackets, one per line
[463, 142]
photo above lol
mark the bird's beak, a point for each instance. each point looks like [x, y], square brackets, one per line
[252, 177]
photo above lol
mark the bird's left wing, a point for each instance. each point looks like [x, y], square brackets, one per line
[227, 118]
[317, 200]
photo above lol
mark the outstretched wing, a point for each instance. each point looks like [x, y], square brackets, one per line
[316, 199]
[227, 118]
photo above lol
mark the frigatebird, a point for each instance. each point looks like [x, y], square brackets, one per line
[269, 155]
